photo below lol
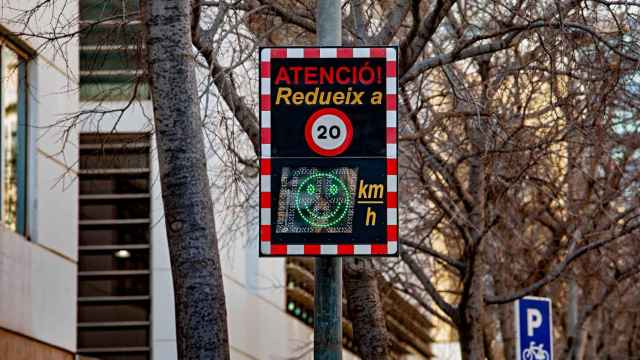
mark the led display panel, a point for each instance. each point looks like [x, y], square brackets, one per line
[316, 201]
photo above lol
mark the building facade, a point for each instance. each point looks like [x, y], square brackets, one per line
[38, 250]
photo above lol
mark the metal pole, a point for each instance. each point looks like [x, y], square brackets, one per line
[329, 23]
[327, 335]
[327, 316]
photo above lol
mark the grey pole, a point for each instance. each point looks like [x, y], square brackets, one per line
[327, 322]
[327, 315]
[329, 23]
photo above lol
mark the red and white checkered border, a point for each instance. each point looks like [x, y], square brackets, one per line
[391, 55]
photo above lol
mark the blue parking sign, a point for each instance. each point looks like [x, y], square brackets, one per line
[534, 329]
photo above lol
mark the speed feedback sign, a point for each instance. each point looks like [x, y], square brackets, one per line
[328, 161]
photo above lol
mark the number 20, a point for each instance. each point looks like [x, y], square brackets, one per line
[334, 132]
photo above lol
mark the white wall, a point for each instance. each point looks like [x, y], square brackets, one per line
[55, 223]
[38, 292]
[38, 277]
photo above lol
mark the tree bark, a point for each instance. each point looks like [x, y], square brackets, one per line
[505, 312]
[573, 338]
[365, 308]
[471, 342]
[201, 325]
[473, 299]
[471, 332]
[492, 349]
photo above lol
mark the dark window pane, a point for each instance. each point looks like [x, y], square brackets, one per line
[119, 209]
[103, 59]
[115, 236]
[135, 285]
[123, 356]
[114, 260]
[97, 338]
[114, 160]
[115, 185]
[136, 311]
[108, 139]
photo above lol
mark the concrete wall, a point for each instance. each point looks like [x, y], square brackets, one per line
[38, 275]
[38, 290]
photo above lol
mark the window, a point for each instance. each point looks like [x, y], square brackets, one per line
[13, 139]
[114, 272]
[111, 66]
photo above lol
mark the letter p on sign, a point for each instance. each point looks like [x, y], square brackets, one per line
[534, 320]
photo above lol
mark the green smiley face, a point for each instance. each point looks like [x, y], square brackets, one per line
[322, 200]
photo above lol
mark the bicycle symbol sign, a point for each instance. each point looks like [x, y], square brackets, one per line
[534, 352]
[534, 328]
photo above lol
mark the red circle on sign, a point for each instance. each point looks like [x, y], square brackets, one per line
[324, 115]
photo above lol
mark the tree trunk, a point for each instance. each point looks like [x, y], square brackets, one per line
[365, 308]
[573, 339]
[492, 349]
[201, 325]
[473, 315]
[472, 342]
[507, 329]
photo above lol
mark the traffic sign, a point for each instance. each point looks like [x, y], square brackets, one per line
[534, 328]
[328, 162]
[328, 132]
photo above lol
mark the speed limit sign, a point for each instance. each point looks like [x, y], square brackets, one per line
[328, 151]
[328, 132]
